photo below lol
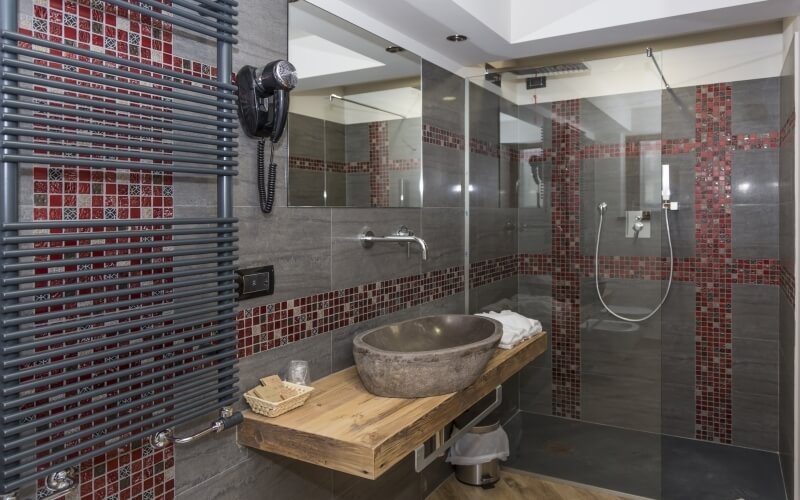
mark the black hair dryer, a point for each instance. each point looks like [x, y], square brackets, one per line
[263, 101]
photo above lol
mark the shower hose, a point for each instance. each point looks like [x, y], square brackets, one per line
[602, 208]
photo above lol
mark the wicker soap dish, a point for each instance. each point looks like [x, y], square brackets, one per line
[275, 397]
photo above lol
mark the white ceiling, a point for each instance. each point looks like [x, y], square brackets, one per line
[511, 29]
[330, 52]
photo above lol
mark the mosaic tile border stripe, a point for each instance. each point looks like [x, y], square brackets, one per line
[266, 327]
[441, 137]
[742, 271]
[489, 271]
[713, 228]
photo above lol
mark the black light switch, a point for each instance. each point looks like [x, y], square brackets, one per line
[256, 282]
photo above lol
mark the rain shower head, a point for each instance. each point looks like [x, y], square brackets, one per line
[552, 69]
[536, 75]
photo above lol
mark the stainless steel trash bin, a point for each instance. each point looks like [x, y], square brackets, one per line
[485, 474]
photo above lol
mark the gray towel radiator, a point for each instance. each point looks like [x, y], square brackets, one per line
[112, 330]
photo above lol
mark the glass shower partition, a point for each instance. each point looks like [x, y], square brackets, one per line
[591, 407]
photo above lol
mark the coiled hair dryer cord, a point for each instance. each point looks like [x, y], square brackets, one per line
[602, 207]
[266, 186]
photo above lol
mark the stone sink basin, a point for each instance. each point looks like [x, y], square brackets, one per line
[426, 356]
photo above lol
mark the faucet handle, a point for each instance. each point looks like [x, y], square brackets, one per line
[404, 231]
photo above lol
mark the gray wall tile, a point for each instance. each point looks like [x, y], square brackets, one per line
[678, 113]
[484, 181]
[296, 241]
[755, 366]
[508, 181]
[754, 177]
[204, 459]
[306, 136]
[405, 139]
[438, 83]
[677, 410]
[484, 114]
[786, 385]
[755, 311]
[756, 106]
[443, 231]
[678, 335]
[535, 230]
[622, 402]
[336, 189]
[316, 350]
[263, 472]
[335, 140]
[358, 190]
[755, 421]
[492, 233]
[754, 231]
[307, 188]
[443, 176]
[352, 264]
[357, 142]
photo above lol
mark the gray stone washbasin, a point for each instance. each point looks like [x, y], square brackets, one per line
[426, 356]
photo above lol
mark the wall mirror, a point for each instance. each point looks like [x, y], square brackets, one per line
[355, 134]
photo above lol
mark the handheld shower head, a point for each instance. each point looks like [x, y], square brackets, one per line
[603, 206]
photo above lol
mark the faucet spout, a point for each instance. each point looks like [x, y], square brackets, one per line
[403, 235]
[422, 246]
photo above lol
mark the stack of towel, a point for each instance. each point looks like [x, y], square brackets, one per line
[516, 327]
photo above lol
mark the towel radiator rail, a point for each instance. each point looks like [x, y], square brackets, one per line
[112, 330]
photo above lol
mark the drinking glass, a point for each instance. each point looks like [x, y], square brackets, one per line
[298, 372]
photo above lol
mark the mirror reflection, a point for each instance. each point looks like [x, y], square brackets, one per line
[355, 135]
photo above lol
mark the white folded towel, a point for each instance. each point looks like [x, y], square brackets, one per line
[516, 327]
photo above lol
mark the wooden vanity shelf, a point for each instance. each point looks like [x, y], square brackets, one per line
[344, 427]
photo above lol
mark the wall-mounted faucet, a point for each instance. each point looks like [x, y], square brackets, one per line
[403, 236]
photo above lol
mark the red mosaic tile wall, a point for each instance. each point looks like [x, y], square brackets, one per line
[489, 271]
[713, 346]
[566, 239]
[441, 137]
[77, 193]
[713, 269]
[273, 325]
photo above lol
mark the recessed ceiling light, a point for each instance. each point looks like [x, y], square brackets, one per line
[449, 98]
[457, 38]
[393, 49]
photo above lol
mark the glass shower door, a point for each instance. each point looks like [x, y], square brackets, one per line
[591, 409]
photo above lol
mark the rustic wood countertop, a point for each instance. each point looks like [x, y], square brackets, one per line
[344, 427]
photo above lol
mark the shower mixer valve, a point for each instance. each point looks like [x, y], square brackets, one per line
[637, 224]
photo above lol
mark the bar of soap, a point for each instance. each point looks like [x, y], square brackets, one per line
[272, 389]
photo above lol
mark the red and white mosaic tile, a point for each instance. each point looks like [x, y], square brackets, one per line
[269, 326]
[63, 192]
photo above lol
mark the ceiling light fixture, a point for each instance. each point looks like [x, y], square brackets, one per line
[457, 38]
[393, 49]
